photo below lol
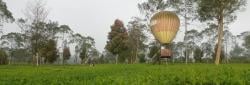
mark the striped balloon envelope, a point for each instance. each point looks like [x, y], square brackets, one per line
[164, 26]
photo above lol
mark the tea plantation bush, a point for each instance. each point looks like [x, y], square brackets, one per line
[126, 74]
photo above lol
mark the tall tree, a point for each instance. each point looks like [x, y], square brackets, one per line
[117, 39]
[228, 40]
[192, 39]
[187, 11]
[66, 34]
[33, 26]
[222, 11]
[84, 48]
[137, 38]
[12, 41]
[79, 40]
[208, 38]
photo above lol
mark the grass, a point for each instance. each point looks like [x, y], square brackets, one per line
[126, 74]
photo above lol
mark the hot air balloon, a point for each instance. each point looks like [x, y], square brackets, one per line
[164, 26]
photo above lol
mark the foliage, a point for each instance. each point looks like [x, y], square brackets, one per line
[137, 38]
[20, 55]
[83, 55]
[153, 49]
[5, 15]
[219, 9]
[49, 52]
[149, 7]
[192, 38]
[66, 53]
[85, 46]
[237, 51]
[198, 54]
[142, 58]
[117, 39]
[3, 57]
[247, 42]
[14, 40]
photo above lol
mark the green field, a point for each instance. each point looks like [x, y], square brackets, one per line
[126, 74]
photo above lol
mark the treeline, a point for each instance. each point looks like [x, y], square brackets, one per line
[42, 41]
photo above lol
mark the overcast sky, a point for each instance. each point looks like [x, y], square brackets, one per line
[94, 17]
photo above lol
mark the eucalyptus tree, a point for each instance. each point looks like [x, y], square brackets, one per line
[78, 39]
[220, 11]
[65, 30]
[198, 54]
[88, 49]
[178, 50]
[12, 41]
[208, 40]
[52, 30]
[137, 38]
[6, 15]
[237, 51]
[186, 9]
[192, 40]
[65, 33]
[228, 43]
[84, 46]
[207, 50]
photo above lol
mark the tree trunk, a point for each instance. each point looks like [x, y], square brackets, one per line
[131, 57]
[220, 35]
[63, 61]
[185, 17]
[76, 59]
[116, 59]
[10, 60]
[136, 54]
[82, 61]
[37, 59]
[226, 56]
